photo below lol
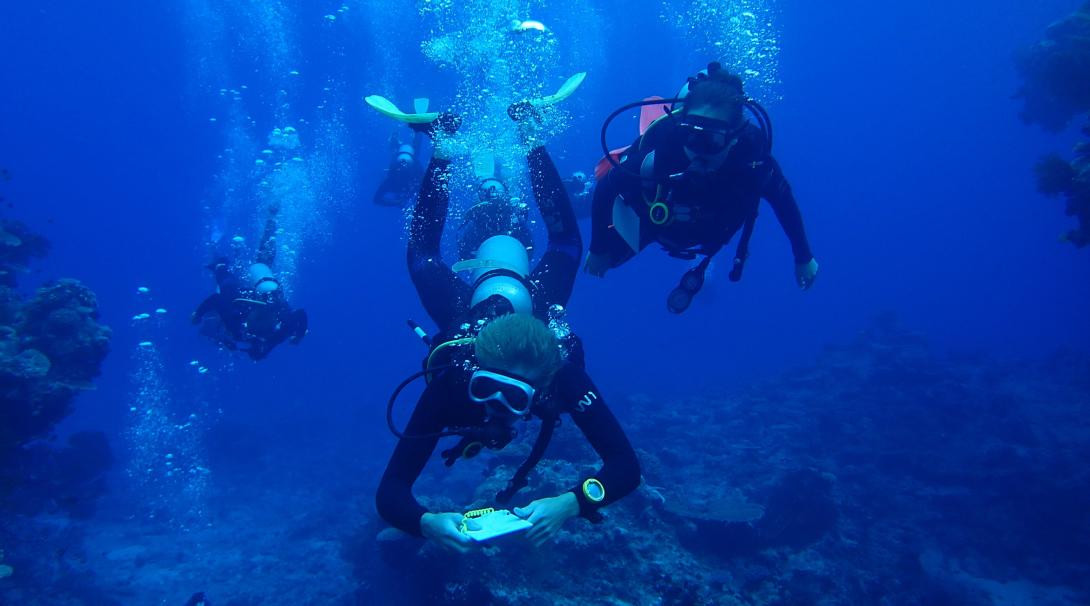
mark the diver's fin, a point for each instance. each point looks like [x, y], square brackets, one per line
[627, 224]
[484, 165]
[386, 108]
[420, 105]
[562, 93]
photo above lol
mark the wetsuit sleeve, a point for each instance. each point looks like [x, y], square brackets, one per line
[557, 270]
[778, 193]
[444, 296]
[395, 501]
[620, 470]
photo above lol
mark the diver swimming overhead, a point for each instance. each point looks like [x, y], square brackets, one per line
[253, 314]
[496, 363]
[405, 171]
[693, 178]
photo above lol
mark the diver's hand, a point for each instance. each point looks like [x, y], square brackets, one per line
[547, 516]
[596, 264]
[194, 319]
[805, 273]
[444, 529]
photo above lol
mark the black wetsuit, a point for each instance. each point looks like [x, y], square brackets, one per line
[445, 402]
[705, 211]
[260, 320]
[445, 296]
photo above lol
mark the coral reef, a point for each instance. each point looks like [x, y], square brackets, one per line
[883, 473]
[51, 347]
[1056, 176]
[823, 486]
[51, 350]
[1055, 87]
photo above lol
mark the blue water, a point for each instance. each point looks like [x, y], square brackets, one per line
[894, 123]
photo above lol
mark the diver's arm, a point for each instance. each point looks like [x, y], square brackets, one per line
[394, 499]
[778, 193]
[620, 471]
[554, 204]
[443, 295]
[559, 265]
[430, 212]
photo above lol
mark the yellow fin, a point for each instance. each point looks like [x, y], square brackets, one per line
[387, 108]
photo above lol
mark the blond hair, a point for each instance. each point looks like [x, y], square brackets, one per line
[519, 340]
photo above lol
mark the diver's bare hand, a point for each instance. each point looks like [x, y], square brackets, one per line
[444, 529]
[547, 516]
[805, 273]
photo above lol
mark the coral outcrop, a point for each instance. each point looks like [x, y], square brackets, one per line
[1054, 72]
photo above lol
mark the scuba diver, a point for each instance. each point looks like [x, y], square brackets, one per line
[693, 178]
[405, 171]
[495, 212]
[580, 189]
[495, 363]
[256, 315]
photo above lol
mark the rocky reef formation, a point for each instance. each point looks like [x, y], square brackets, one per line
[1055, 73]
[51, 348]
[882, 474]
[1071, 179]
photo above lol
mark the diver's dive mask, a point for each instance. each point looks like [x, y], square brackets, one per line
[707, 136]
[501, 391]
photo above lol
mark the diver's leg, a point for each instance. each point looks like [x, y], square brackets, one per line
[558, 266]
[443, 295]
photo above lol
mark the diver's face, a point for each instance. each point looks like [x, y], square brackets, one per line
[708, 137]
